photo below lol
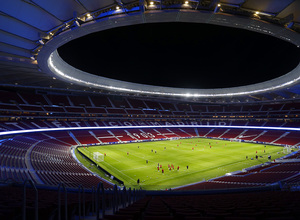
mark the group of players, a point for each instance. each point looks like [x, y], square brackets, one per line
[170, 167]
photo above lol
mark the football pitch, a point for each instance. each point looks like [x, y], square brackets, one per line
[167, 164]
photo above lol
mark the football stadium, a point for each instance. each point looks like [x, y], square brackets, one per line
[150, 109]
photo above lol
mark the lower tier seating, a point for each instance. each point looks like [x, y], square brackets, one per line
[46, 157]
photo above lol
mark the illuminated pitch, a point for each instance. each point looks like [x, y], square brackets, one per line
[168, 164]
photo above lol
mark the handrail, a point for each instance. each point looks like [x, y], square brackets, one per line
[36, 202]
[129, 196]
[124, 197]
[93, 199]
[59, 201]
[81, 189]
[115, 199]
[100, 187]
[134, 195]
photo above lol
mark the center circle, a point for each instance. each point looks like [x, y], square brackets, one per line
[182, 55]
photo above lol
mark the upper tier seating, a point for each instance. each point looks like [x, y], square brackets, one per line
[9, 107]
[100, 101]
[199, 108]
[215, 108]
[136, 103]
[75, 109]
[183, 107]
[232, 108]
[54, 109]
[246, 108]
[291, 106]
[134, 112]
[168, 106]
[31, 108]
[93, 110]
[10, 97]
[115, 111]
[36, 99]
[80, 100]
[31, 103]
[271, 107]
[153, 105]
[59, 100]
[119, 102]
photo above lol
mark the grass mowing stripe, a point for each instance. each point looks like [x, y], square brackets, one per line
[113, 168]
[86, 152]
[203, 161]
[204, 170]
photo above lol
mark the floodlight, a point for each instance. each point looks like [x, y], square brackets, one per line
[77, 23]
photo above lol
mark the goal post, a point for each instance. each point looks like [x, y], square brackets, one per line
[98, 157]
[287, 149]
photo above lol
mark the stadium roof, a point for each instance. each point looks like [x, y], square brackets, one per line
[31, 30]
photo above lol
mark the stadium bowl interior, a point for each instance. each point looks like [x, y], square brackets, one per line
[52, 113]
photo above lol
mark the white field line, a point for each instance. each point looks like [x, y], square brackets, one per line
[137, 168]
[119, 171]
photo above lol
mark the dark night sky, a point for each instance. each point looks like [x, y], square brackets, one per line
[186, 55]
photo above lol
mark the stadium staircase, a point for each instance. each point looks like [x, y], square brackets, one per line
[285, 134]
[29, 166]
[73, 137]
[261, 134]
[206, 135]
[224, 133]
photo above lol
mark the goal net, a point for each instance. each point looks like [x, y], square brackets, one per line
[287, 150]
[98, 157]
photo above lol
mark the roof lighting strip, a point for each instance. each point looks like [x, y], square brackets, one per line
[144, 126]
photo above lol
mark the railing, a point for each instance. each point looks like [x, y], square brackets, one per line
[100, 188]
[96, 200]
[62, 185]
[81, 204]
[36, 201]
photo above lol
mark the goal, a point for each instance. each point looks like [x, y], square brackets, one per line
[98, 157]
[287, 149]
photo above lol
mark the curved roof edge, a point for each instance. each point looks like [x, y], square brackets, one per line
[50, 62]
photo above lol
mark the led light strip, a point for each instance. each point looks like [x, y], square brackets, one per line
[188, 95]
[146, 126]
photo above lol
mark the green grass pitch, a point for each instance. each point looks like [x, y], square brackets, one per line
[205, 158]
